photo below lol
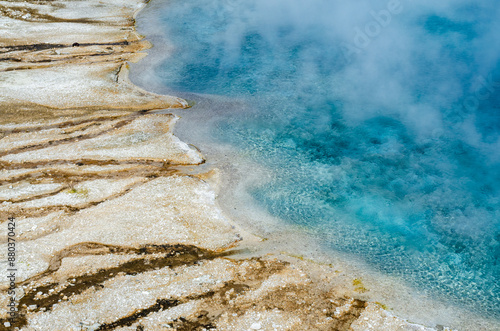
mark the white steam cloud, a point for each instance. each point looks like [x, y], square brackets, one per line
[390, 57]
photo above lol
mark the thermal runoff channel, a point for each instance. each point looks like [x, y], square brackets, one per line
[380, 121]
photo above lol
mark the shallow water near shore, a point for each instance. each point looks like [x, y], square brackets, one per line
[375, 127]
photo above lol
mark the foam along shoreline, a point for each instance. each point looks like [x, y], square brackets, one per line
[115, 229]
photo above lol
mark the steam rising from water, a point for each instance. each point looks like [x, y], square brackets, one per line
[380, 119]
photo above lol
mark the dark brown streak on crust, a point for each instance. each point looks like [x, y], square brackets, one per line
[41, 47]
[74, 179]
[36, 197]
[219, 300]
[40, 164]
[63, 125]
[41, 2]
[162, 304]
[69, 139]
[170, 256]
[53, 63]
[44, 55]
[114, 57]
[61, 176]
[69, 210]
[18, 13]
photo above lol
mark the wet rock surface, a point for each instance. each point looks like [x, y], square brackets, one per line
[114, 229]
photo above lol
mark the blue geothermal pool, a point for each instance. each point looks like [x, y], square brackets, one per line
[380, 121]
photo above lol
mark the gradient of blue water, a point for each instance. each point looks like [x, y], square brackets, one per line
[391, 152]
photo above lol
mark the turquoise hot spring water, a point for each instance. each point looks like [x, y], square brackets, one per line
[379, 121]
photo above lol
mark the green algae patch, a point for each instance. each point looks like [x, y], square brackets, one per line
[381, 305]
[359, 286]
[83, 192]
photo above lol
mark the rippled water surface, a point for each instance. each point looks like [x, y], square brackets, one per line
[380, 121]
